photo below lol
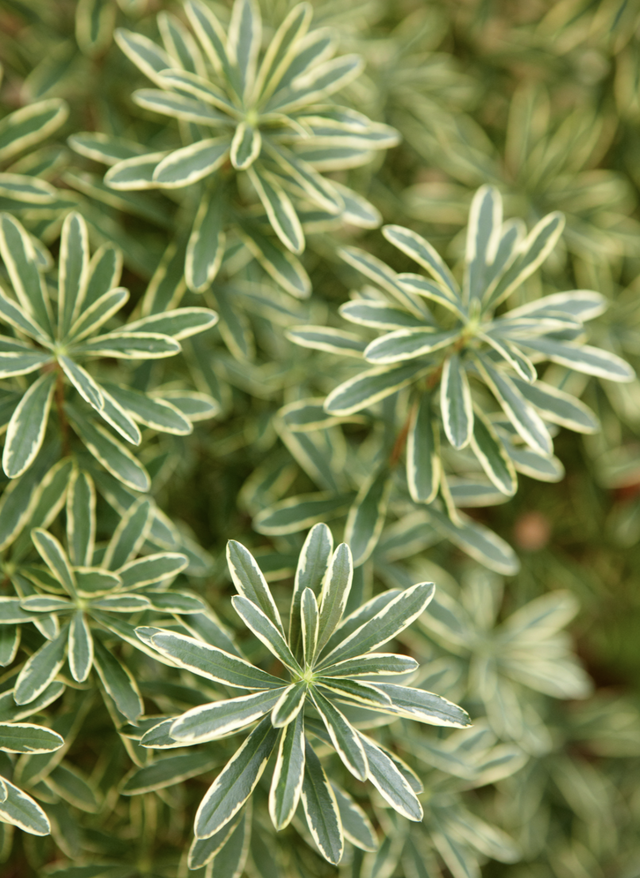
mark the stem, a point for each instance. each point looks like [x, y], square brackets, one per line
[62, 415]
[401, 439]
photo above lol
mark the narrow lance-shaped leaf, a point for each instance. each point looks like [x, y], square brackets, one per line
[27, 426]
[423, 452]
[309, 617]
[118, 682]
[80, 647]
[41, 668]
[209, 721]
[344, 737]
[74, 271]
[289, 705]
[492, 456]
[312, 565]
[264, 630]
[55, 557]
[455, 402]
[81, 523]
[249, 581]
[288, 774]
[366, 517]
[236, 781]
[336, 585]
[321, 809]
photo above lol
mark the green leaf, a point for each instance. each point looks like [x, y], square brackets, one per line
[245, 147]
[71, 786]
[28, 190]
[245, 37]
[152, 569]
[559, 407]
[20, 319]
[583, 358]
[118, 683]
[29, 125]
[356, 826]
[336, 585]
[94, 581]
[80, 647]
[191, 163]
[177, 324]
[203, 850]
[278, 262]
[424, 706]
[477, 541]
[325, 338]
[390, 783]
[73, 274]
[388, 622]
[312, 565]
[384, 277]
[27, 738]
[250, 583]
[370, 387]
[367, 515]
[425, 255]
[111, 453]
[316, 83]
[297, 513]
[135, 173]
[19, 363]
[423, 452]
[79, 378]
[129, 346]
[129, 536]
[512, 355]
[483, 238]
[281, 47]
[41, 668]
[524, 418]
[115, 415]
[378, 315]
[582, 305]
[236, 781]
[288, 774]
[408, 344]
[211, 35]
[55, 557]
[206, 246]
[166, 772]
[21, 262]
[492, 455]
[264, 629]
[344, 737]
[206, 722]
[22, 811]
[282, 215]
[531, 254]
[230, 860]
[455, 402]
[321, 809]
[377, 664]
[309, 618]
[354, 693]
[209, 661]
[289, 705]
[97, 313]
[179, 43]
[27, 426]
[145, 54]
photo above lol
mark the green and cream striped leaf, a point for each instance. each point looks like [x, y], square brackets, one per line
[312, 566]
[27, 427]
[250, 583]
[310, 182]
[582, 305]
[203, 850]
[288, 774]
[512, 355]
[582, 358]
[159, 414]
[277, 261]
[10, 313]
[424, 706]
[336, 585]
[191, 163]
[418, 249]
[129, 536]
[375, 665]
[97, 313]
[394, 616]
[356, 826]
[183, 81]
[281, 212]
[17, 362]
[309, 619]
[289, 705]
[419, 286]
[492, 456]
[378, 315]
[353, 692]
[209, 661]
[530, 255]
[104, 148]
[265, 630]
[206, 722]
[236, 781]
[455, 402]
[344, 737]
[206, 246]
[180, 44]
[135, 173]
[321, 808]
[531, 463]
[21, 261]
[166, 772]
[129, 346]
[409, 344]
[367, 515]
[522, 415]
[55, 557]
[116, 416]
[27, 190]
[28, 738]
[245, 148]
[282, 49]
[423, 452]
[81, 518]
[152, 569]
[372, 386]
[243, 43]
[41, 668]
[325, 338]
[73, 274]
[19, 809]
[80, 647]
[110, 452]
[388, 280]
[483, 238]
[79, 378]
[390, 783]
[317, 82]
[212, 38]
[559, 407]
[478, 541]
[118, 682]
[148, 57]
[29, 125]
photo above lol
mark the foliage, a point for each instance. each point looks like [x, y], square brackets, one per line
[177, 380]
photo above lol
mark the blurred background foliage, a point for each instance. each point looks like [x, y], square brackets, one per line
[542, 100]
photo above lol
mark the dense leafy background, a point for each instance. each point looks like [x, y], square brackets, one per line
[539, 100]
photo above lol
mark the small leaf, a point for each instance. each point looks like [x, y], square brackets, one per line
[288, 774]
[366, 517]
[321, 809]
[27, 427]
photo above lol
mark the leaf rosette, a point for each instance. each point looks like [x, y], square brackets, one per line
[332, 667]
